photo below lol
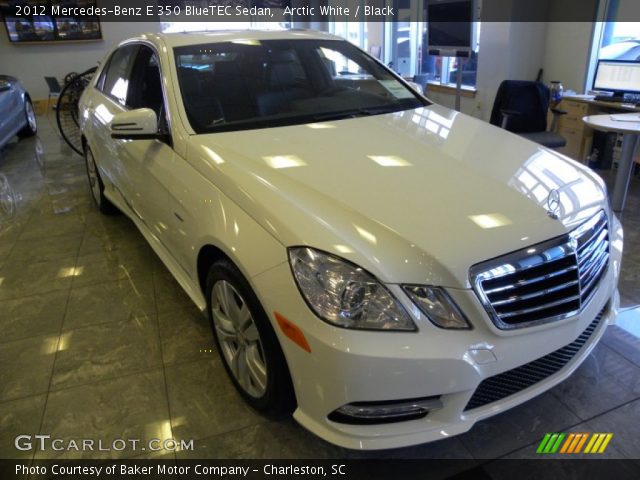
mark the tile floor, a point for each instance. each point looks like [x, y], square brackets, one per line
[98, 341]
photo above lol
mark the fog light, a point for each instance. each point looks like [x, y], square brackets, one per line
[368, 413]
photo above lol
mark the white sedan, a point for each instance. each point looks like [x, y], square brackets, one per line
[387, 269]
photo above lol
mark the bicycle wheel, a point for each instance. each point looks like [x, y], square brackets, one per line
[67, 109]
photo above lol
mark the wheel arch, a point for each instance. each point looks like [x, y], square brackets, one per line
[207, 256]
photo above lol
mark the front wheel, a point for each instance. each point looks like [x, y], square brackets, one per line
[247, 344]
[96, 185]
[31, 128]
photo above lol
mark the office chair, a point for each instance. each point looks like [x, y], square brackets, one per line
[422, 79]
[521, 107]
[54, 89]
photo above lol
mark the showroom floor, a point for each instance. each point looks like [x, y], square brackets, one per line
[98, 341]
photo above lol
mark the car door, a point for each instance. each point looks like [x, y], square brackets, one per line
[9, 108]
[145, 163]
[113, 84]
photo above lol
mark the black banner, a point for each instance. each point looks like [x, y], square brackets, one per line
[295, 10]
[322, 469]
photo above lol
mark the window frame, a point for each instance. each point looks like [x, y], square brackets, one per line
[99, 85]
[105, 72]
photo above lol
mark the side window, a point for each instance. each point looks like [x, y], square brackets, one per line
[116, 76]
[145, 88]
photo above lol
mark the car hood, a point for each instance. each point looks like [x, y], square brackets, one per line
[415, 196]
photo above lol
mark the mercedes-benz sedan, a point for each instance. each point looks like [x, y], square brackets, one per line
[387, 269]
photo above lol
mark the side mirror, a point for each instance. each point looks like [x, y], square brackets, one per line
[138, 124]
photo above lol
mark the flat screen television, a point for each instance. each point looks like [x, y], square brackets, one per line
[450, 29]
[49, 28]
[617, 76]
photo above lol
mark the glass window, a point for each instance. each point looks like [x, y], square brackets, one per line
[116, 80]
[145, 86]
[444, 70]
[266, 83]
[620, 41]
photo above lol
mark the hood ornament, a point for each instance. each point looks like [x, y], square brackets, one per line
[553, 204]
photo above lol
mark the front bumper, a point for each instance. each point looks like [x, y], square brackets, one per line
[347, 366]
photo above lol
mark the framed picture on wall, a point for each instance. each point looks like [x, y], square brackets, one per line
[48, 28]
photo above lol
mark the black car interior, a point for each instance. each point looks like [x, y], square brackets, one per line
[229, 83]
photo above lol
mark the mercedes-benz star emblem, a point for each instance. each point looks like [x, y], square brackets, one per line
[553, 204]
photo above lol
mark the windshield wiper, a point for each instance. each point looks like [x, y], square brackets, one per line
[356, 112]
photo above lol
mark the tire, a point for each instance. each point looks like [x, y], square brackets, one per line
[96, 186]
[31, 128]
[254, 342]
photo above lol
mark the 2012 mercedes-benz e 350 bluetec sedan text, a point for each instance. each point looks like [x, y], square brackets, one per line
[387, 269]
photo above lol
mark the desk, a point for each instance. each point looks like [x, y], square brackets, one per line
[578, 135]
[631, 131]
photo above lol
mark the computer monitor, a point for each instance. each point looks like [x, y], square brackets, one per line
[450, 31]
[617, 76]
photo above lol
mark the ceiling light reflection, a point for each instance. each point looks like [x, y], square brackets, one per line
[213, 155]
[492, 220]
[368, 236]
[284, 161]
[343, 249]
[70, 272]
[389, 160]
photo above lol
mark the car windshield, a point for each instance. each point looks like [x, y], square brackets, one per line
[246, 84]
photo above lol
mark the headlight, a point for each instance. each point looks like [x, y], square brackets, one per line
[344, 294]
[437, 306]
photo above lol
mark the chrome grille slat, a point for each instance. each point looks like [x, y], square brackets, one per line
[593, 267]
[547, 281]
[535, 294]
[533, 280]
[600, 228]
[586, 289]
[540, 307]
[594, 247]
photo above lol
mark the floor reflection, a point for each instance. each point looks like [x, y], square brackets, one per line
[629, 321]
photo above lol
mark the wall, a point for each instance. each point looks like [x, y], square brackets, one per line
[567, 52]
[31, 62]
[507, 51]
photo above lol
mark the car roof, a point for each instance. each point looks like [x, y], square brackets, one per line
[197, 38]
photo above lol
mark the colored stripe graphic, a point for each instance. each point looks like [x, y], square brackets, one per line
[556, 445]
[581, 443]
[573, 443]
[598, 443]
[607, 439]
[543, 443]
[565, 447]
[591, 443]
[550, 443]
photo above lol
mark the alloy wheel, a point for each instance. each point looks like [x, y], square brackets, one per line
[31, 116]
[239, 338]
[94, 180]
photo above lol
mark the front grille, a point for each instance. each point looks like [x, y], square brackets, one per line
[545, 282]
[513, 381]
